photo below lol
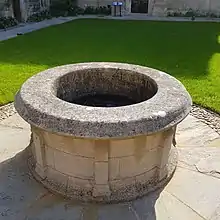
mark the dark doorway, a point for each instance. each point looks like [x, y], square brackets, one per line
[139, 6]
[17, 9]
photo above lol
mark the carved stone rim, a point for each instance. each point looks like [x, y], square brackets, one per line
[37, 103]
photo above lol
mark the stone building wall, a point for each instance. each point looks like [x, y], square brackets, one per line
[4, 10]
[160, 7]
[30, 7]
[126, 8]
[27, 7]
[2, 2]
[94, 3]
[195, 4]
[155, 7]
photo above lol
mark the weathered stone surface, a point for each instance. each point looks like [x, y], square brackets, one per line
[216, 214]
[73, 166]
[165, 209]
[110, 177]
[210, 165]
[12, 141]
[131, 166]
[102, 150]
[101, 173]
[198, 147]
[101, 191]
[37, 101]
[114, 169]
[196, 190]
[200, 159]
[15, 121]
[122, 148]
[116, 212]
[78, 147]
[57, 180]
[79, 140]
[163, 206]
[214, 143]
[188, 195]
[49, 153]
[193, 133]
[161, 7]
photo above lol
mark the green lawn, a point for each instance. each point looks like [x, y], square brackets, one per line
[188, 51]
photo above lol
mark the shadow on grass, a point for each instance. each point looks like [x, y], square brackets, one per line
[182, 49]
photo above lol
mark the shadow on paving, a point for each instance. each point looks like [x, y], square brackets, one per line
[182, 49]
[21, 197]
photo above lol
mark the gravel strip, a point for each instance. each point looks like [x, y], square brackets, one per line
[210, 118]
[7, 111]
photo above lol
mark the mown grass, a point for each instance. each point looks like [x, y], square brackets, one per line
[189, 51]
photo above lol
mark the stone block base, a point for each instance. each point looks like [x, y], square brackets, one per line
[108, 170]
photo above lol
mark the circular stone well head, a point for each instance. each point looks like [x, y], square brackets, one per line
[103, 131]
[105, 87]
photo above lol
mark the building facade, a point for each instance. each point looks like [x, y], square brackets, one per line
[159, 7]
[21, 9]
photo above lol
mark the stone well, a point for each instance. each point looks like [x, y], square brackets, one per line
[103, 131]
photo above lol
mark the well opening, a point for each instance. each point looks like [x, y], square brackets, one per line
[105, 87]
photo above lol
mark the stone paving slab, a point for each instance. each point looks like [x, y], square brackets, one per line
[190, 195]
[198, 191]
[15, 121]
[166, 207]
[109, 212]
[214, 143]
[210, 166]
[12, 141]
[194, 133]
[216, 214]
[169, 207]
[204, 160]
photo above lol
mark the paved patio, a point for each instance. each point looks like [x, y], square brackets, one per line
[193, 193]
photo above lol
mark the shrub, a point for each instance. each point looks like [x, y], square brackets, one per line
[89, 10]
[39, 16]
[174, 13]
[69, 8]
[191, 13]
[63, 8]
[79, 11]
[102, 10]
[6, 22]
[73, 11]
[213, 15]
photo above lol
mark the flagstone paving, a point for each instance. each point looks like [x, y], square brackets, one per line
[193, 192]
